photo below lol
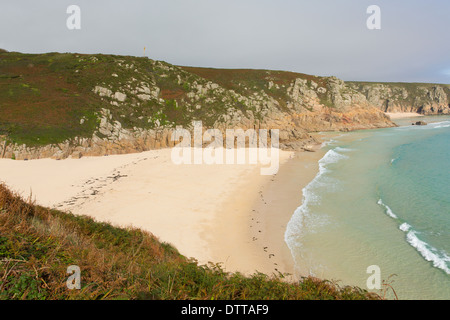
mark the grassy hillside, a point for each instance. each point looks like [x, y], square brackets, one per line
[37, 245]
[49, 98]
[40, 102]
[59, 105]
[43, 97]
[55, 97]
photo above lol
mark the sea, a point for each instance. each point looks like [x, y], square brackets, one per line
[377, 214]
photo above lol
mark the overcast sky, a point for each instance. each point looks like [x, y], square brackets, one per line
[319, 37]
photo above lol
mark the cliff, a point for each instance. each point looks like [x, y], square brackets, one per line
[71, 105]
[427, 99]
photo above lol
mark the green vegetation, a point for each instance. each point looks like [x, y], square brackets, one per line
[43, 97]
[40, 101]
[38, 244]
[248, 81]
[56, 97]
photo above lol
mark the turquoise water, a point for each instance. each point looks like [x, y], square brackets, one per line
[382, 198]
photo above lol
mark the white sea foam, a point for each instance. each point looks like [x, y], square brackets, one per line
[327, 142]
[341, 149]
[387, 209]
[430, 253]
[302, 219]
[330, 157]
[442, 124]
[432, 125]
[405, 227]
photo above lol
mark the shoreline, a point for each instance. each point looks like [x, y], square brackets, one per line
[262, 224]
[401, 115]
[255, 235]
[227, 215]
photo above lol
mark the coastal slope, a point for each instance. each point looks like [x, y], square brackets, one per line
[38, 244]
[63, 105]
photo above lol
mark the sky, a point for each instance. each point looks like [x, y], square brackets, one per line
[320, 37]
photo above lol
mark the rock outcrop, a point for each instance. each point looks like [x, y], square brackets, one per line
[427, 99]
[140, 101]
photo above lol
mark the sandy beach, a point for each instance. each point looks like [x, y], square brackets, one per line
[400, 115]
[227, 214]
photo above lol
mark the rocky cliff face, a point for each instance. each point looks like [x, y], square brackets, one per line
[135, 103]
[427, 99]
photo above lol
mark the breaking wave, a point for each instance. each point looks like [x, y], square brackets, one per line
[429, 253]
[302, 219]
[442, 124]
[438, 258]
[387, 209]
